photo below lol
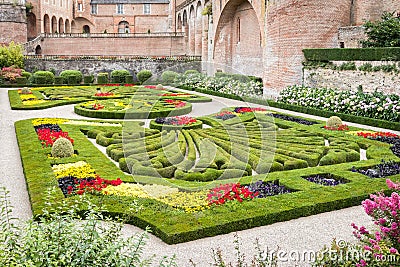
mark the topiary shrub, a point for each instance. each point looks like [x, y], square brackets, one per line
[72, 79]
[88, 79]
[25, 91]
[144, 75]
[159, 86]
[76, 73]
[26, 74]
[168, 76]
[58, 80]
[129, 79]
[334, 121]
[62, 148]
[189, 72]
[102, 78]
[21, 80]
[43, 77]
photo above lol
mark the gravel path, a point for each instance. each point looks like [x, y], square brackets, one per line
[294, 238]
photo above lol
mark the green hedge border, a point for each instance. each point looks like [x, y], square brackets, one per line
[157, 126]
[104, 114]
[352, 54]
[306, 110]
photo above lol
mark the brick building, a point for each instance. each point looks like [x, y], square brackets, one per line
[256, 37]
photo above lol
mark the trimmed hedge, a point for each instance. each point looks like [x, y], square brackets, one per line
[104, 114]
[352, 54]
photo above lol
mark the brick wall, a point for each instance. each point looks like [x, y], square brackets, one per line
[151, 46]
[12, 24]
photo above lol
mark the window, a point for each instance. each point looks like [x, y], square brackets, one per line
[120, 8]
[80, 7]
[146, 9]
[94, 9]
[238, 30]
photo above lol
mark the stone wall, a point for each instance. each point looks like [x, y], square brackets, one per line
[351, 37]
[96, 66]
[353, 79]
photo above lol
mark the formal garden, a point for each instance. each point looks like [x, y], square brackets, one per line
[140, 157]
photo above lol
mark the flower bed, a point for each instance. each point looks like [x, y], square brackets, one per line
[325, 179]
[381, 170]
[176, 172]
[45, 97]
[135, 108]
[175, 123]
[373, 105]
[385, 137]
[291, 118]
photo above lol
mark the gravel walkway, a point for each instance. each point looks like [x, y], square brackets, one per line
[294, 238]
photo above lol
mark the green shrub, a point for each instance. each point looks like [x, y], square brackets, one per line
[117, 79]
[365, 67]
[144, 75]
[76, 73]
[26, 74]
[168, 76]
[129, 79]
[389, 68]
[88, 79]
[21, 80]
[334, 121]
[352, 54]
[1, 80]
[25, 91]
[102, 78]
[43, 77]
[348, 66]
[120, 73]
[11, 55]
[62, 148]
[159, 87]
[190, 72]
[72, 79]
[89, 243]
[58, 80]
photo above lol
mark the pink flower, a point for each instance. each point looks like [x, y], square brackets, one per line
[393, 251]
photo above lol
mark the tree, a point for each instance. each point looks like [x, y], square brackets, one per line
[383, 33]
[11, 55]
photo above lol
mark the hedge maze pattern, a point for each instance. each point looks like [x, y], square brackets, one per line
[233, 148]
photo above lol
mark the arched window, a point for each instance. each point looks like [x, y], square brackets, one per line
[238, 30]
[86, 29]
[123, 27]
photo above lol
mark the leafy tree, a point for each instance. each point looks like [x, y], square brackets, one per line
[383, 33]
[11, 55]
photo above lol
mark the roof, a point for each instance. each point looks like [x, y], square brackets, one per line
[110, 2]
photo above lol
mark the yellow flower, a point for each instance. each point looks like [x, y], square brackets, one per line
[187, 201]
[33, 102]
[40, 121]
[80, 169]
[126, 190]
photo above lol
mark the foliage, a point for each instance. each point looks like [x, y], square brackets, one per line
[168, 76]
[120, 73]
[62, 148]
[11, 55]
[11, 73]
[334, 121]
[56, 239]
[376, 247]
[42, 77]
[66, 73]
[371, 104]
[207, 10]
[352, 54]
[144, 75]
[384, 32]
[221, 84]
